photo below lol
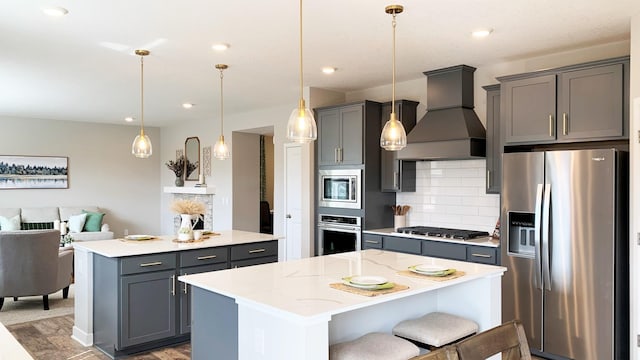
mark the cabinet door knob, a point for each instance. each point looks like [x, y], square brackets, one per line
[173, 285]
[565, 124]
[551, 125]
[488, 179]
[288, 216]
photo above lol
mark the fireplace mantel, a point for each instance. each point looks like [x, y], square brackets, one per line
[209, 190]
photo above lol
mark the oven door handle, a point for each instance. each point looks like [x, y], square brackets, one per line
[339, 228]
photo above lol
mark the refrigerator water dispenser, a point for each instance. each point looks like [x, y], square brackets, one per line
[521, 230]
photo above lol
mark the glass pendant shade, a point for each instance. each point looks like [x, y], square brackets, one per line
[301, 127]
[220, 150]
[141, 147]
[393, 137]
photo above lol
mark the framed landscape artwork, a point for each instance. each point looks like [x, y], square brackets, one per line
[34, 172]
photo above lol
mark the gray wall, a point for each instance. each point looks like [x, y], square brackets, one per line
[102, 171]
[246, 181]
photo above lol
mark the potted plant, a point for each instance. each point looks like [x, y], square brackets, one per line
[177, 167]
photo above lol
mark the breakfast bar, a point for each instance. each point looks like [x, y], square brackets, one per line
[297, 309]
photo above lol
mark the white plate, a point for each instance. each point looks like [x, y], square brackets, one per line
[139, 237]
[364, 287]
[368, 280]
[430, 269]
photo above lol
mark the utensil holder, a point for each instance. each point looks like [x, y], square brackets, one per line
[399, 221]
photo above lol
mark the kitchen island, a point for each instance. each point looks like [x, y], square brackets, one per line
[288, 310]
[126, 293]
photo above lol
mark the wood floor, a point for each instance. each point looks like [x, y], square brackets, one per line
[50, 339]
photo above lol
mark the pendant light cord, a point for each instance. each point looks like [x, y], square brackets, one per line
[221, 105]
[393, 65]
[141, 95]
[301, 81]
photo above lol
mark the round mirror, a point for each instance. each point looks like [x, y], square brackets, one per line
[192, 158]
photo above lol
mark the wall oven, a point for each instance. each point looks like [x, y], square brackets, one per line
[338, 233]
[340, 188]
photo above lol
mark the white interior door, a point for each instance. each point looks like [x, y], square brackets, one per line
[298, 201]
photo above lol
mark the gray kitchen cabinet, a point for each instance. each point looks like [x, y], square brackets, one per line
[148, 307]
[370, 241]
[494, 141]
[444, 250]
[340, 133]
[584, 102]
[398, 175]
[530, 110]
[140, 304]
[254, 254]
[195, 262]
[590, 103]
[401, 244]
[482, 254]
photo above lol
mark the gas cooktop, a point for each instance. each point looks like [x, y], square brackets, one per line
[442, 232]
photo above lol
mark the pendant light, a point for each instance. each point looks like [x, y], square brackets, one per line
[220, 150]
[141, 146]
[393, 136]
[301, 127]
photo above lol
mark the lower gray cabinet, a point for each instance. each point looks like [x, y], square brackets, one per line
[444, 250]
[482, 254]
[254, 254]
[370, 241]
[138, 302]
[401, 244]
[148, 307]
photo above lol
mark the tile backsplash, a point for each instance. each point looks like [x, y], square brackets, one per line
[451, 194]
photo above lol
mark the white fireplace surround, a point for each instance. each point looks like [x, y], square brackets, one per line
[200, 194]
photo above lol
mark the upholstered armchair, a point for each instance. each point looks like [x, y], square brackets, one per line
[31, 264]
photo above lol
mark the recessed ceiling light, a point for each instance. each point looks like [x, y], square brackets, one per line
[55, 11]
[128, 119]
[187, 105]
[480, 33]
[220, 46]
[329, 70]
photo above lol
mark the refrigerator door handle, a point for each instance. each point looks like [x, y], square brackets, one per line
[546, 263]
[538, 218]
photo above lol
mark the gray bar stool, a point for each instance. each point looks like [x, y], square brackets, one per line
[374, 346]
[435, 329]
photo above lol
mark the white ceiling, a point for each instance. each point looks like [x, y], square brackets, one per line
[59, 68]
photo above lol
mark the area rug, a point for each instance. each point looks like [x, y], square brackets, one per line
[30, 308]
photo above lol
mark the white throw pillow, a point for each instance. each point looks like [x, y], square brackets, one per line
[76, 222]
[12, 224]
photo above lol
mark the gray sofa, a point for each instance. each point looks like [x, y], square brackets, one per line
[32, 218]
[32, 264]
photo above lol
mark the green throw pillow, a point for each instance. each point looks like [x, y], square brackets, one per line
[11, 224]
[93, 222]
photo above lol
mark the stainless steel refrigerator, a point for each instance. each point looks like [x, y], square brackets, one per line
[564, 241]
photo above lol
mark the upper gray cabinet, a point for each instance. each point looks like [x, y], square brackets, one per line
[340, 135]
[494, 141]
[398, 175]
[585, 102]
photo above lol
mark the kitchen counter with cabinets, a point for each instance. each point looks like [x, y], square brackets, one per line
[482, 250]
[127, 294]
[289, 310]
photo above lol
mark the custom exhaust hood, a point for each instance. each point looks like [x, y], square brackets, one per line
[450, 130]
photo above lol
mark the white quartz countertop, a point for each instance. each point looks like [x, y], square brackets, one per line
[122, 247]
[300, 288]
[482, 241]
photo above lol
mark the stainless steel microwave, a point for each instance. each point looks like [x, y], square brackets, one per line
[340, 188]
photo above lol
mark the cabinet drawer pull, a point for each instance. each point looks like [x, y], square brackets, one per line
[173, 285]
[481, 255]
[257, 251]
[371, 242]
[151, 264]
[565, 123]
[207, 257]
[551, 125]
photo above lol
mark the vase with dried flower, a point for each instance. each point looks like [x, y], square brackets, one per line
[190, 211]
[178, 169]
